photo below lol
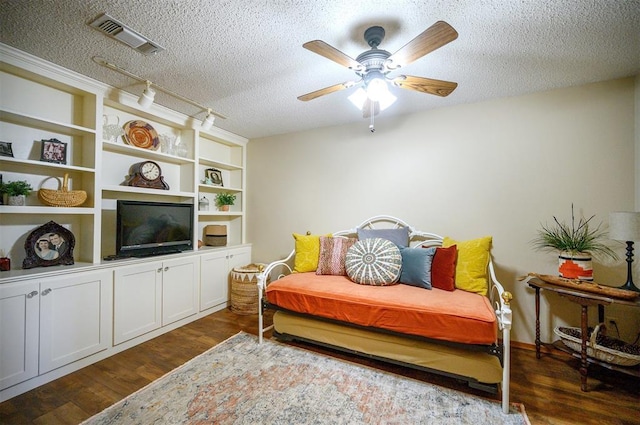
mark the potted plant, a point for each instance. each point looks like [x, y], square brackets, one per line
[16, 191]
[224, 199]
[576, 243]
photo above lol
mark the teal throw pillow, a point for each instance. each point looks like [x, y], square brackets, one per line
[416, 266]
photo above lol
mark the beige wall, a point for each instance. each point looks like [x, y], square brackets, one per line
[495, 168]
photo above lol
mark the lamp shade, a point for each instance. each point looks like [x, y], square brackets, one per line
[624, 226]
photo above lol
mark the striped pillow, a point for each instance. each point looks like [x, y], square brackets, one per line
[374, 261]
[332, 255]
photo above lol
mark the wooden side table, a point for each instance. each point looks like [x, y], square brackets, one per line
[584, 299]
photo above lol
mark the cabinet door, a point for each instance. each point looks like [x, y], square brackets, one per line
[238, 257]
[137, 303]
[19, 311]
[75, 317]
[214, 279]
[179, 289]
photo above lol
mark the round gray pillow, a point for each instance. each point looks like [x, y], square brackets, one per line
[374, 261]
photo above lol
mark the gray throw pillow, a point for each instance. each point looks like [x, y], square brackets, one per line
[399, 236]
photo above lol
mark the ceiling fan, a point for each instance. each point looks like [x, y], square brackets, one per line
[372, 66]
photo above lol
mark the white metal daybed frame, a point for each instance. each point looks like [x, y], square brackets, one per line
[498, 296]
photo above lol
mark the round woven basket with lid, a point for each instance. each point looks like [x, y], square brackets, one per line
[244, 288]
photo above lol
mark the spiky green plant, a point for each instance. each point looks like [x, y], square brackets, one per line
[573, 238]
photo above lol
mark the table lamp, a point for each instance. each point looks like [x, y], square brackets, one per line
[625, 226]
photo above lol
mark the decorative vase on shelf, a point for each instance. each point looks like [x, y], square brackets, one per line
[575, 265]
[223, 207]
[17, 200]
[111, 128]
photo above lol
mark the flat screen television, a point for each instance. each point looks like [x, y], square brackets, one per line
[153, 228]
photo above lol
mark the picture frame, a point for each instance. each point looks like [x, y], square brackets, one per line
[49, 245]
[6, 149]
[214, 177]
[53, 150]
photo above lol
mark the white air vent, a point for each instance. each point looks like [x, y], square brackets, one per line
[114, 29]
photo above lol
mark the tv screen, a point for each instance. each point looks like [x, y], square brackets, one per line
[153, 228]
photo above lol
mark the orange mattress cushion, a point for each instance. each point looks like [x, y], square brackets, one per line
[457, 316]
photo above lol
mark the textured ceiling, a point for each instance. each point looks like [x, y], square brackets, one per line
[244, 58]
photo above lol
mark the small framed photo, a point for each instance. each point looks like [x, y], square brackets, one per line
[49, 245]
[5, 149]
[53, 150]
[213, 177]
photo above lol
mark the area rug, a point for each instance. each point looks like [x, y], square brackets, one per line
[242, 382]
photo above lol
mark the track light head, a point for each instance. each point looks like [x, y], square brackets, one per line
[148, 95]
[207, 123]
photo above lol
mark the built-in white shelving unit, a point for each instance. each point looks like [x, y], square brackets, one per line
[41, 102]
[98, 305]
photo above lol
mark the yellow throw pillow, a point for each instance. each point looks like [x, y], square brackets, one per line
[471, 267]
[307, 253]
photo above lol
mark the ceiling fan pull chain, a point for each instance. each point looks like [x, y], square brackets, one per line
[371, 127]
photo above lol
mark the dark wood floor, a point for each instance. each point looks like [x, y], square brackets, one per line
[549, 388]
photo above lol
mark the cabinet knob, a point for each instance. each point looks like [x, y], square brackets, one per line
[166, 268]
[159, 270]
[46, 291]
[32, 294]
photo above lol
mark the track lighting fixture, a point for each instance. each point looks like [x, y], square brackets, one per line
[148, 95]
[208, 120]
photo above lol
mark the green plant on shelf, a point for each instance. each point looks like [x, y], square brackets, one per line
[225, 198]
[16, 188]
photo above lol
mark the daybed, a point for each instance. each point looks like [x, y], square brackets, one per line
[426, 321]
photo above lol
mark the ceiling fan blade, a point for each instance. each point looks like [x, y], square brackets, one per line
[434, 37]
[425, 85]
[326, 90]
[366, 108]
[330, 52]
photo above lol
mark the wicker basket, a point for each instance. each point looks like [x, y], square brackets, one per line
[63, 197]
[244, 289]
[215, 235]
[597, 351]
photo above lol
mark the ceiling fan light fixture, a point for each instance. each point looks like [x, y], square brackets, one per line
[386, 100]
[358, 98]
[376, 89]
[148, 95]
[207, 123]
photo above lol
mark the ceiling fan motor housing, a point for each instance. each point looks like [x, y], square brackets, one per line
[373, 60]
[374, 36]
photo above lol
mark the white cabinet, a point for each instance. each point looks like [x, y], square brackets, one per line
[48, 323]
[214, 274]
[19, 315]
[179, 289]
[150, 295]
[75, 312]
[50, 320]
[137, 300]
